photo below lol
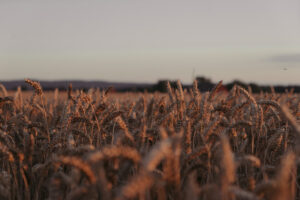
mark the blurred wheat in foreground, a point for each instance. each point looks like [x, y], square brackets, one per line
[180, 145]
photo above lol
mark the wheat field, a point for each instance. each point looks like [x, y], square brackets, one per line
[181, 145]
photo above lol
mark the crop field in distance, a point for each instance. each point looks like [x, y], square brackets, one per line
[184, 144]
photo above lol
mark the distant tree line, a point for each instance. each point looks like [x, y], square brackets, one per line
[204, 84]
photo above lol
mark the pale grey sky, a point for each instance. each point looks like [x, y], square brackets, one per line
[149, 40]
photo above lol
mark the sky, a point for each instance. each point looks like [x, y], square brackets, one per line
[145, 41]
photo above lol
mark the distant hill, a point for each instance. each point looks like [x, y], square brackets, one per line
[63, 85]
